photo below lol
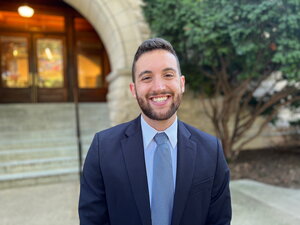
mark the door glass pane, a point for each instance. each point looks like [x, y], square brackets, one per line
[14, 62]
[89, 70]
[89, 55]
[50, 63]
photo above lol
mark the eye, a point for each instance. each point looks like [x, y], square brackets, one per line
[145, 78]
[169, 75]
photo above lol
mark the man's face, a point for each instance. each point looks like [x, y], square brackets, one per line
[158, 85]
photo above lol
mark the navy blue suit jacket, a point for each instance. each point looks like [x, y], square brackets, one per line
[114, 186]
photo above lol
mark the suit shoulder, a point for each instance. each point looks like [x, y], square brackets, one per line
[207, 143]
[115, 130]
[195, 132]
[120, 130]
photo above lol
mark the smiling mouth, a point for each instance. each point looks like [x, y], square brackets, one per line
[159, 99]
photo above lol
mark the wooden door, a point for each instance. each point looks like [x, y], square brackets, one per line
[49, 68]
[33, 68]
[16, 76]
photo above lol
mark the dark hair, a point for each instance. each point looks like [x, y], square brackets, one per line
[150, 45]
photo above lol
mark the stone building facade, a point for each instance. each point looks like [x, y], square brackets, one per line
[121, 27]
[40, 142]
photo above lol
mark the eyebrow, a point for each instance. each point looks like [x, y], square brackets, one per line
[144, 72]
[148, 71]
[169, 68]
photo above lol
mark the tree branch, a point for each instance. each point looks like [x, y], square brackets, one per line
[267, 120]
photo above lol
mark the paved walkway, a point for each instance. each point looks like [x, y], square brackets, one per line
[56, 204]
[256, 203]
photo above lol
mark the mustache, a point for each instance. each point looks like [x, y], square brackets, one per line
[156, 93]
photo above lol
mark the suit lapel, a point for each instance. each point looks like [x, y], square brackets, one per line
[186, 150]
[133, 153]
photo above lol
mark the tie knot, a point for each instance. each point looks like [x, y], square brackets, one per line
[161, 138]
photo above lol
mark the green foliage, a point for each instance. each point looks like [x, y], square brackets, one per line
[251, 37]
[228, 48]
[295, 123]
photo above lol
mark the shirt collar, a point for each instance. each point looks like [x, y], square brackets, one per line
[149, 133]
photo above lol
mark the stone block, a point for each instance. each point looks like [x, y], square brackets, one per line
[116, 7]
[125, 18]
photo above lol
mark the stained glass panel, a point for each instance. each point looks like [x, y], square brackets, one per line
[14, 62]
[50, 63]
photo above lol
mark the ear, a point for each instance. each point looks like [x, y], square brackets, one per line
[182, 83]
[132, 89]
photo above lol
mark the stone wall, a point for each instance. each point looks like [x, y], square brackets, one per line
[191, 111]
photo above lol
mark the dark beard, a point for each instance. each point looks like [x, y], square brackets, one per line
[150, 113]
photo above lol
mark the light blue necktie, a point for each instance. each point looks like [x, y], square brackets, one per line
[162, 184]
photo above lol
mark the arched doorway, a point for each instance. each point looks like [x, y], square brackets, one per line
[50, 56]
[121, 26]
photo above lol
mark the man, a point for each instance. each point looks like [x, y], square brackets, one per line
[155, 170]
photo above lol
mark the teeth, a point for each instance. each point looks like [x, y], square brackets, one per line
[160, 99]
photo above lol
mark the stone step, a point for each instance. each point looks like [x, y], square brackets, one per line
[44, 134]
[58, 125]
[31, 132]
[40, 153]
[38, 132]
[33, 124]
[38, 142]
[52, 110]
[38, 177]
[22, 166]
[86, 118]
[47, 108]
[55, 141]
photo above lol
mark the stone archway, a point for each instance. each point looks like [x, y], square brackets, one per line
[121, 26]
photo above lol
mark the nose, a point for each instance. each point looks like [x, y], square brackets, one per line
[158, 84]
